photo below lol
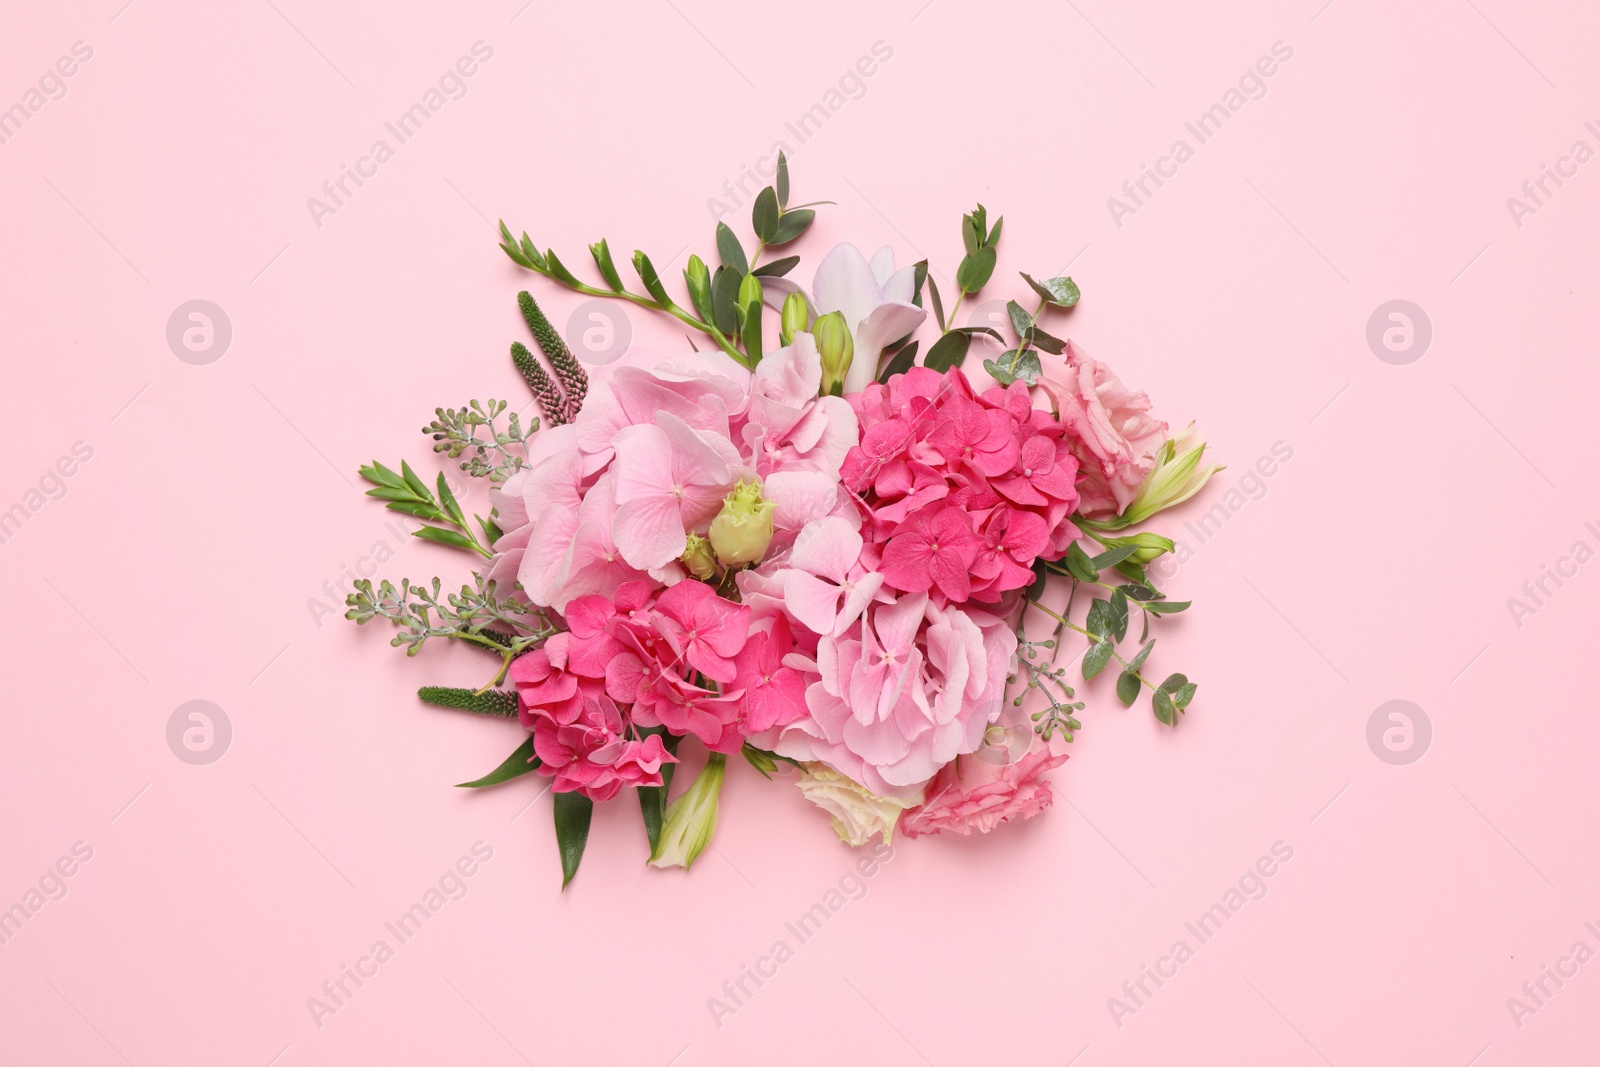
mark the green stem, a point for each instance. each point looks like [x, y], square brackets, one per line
[1096, 639]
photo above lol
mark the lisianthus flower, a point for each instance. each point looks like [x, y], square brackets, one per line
[858, 814]
[973, 793]
[1111, 430]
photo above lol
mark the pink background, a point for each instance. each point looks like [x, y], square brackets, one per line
[1376, 565]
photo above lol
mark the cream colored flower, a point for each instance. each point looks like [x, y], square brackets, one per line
[857, 813]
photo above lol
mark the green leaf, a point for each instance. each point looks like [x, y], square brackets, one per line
[938, 305]
[750, 301]
[725, 299]
[1041, 578]
[652, 281]
[1142, 593]
[559, 271]
[1112, 557]
[1163, 705]
[1079, 563]
[608, 269]
[777, 268]
[1041, 340]
[948, 351]
[1062, 292]
[975, 270]
[1021, 321]
[1095, 660]
[448, 499]
[1127, 688]
[1099, 620]
[783, 181]
[1132, 571]
[418, 509]
[491, 529]
[1169, 607]
[764, 215]
[900, 363]
[446, 537]
[520, 762]
[994, 233]
[1138, 661]
[971, 235]
[1119, 614]
[730, 252]
[384, 492]
[381, 475]
[1012, 367]
[792, 225]
[418, 486]
[573, 813]
[498, 703]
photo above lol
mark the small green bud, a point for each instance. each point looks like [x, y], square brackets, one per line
[749, 290]
[794, 318]
[742, 530]
[837, 349]
[699, 558]
[697, 279]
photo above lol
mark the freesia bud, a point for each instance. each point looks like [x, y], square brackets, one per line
[1174, 479]
[836, 347]
[697, 279]
[743, 528]
[699, 558]
[794, 317]
[692, 818]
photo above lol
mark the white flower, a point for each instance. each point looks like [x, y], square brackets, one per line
[857, 814]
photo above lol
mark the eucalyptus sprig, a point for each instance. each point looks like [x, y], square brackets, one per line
[497, 457]
[1106, 623]
[1059, 717]
[477, 615]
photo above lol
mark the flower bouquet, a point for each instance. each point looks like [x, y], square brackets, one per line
[803, 545]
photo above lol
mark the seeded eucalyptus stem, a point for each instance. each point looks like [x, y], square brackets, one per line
[1069, 624]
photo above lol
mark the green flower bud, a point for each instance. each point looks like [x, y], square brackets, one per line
[1174, 479]
[749, 290]
[699, 558]
[794, 318]
[692, 818]
[697, 279]
[743, 528]
[1148, 546]
[837, 349]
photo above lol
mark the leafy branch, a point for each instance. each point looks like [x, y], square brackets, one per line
[726, 305]
[408, 494]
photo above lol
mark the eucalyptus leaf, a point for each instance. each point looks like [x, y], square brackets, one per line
[783, 181]
[1127, 688]
[764, 215]
[1095, 660]
[792, 225]
[1079, 563]
[948, 351]
[938, 305]
[777, 268]
[730, 252]
[1119, 614]
[1169, 607]
[1163, 705]
[1021, 321]
[1062, 292]
[975, 270]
